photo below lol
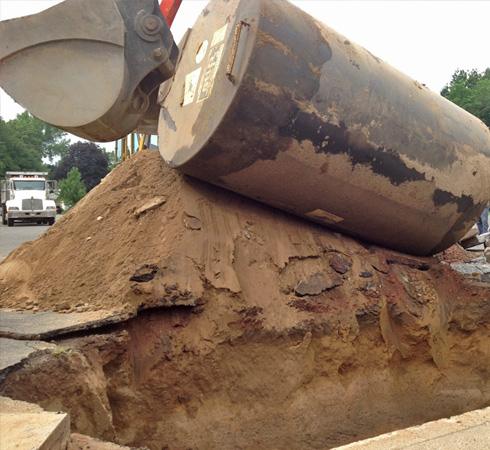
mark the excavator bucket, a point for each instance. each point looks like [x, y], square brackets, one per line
[89, 67]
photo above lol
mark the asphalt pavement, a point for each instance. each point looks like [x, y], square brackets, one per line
[12, 237]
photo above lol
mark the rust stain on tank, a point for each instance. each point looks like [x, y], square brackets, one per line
[264, 38]
[308, 132]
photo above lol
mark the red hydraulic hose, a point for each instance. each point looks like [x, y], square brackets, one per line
[169, 9]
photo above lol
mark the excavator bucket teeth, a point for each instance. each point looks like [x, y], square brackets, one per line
[88, 67]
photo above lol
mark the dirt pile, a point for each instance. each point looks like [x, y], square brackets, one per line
[86, 260]
[148, 236]
[272, 332]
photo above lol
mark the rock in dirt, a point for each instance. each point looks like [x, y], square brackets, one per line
[145, 273]
[152, 204]
[317, 283]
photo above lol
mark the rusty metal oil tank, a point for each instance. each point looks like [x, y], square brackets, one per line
[272, 104]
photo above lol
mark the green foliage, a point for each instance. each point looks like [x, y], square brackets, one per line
[471, 91]
[63, 351]
[72, 189]
[7, 160]
[25, 141]
[89, 158]
[110, 155]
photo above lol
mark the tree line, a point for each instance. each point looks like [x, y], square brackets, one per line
[471, 91]
[28, 144]
[25, 142]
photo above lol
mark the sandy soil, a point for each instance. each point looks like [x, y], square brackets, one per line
[456, 253]
[148, 236]
[272, 332]
[81, 442]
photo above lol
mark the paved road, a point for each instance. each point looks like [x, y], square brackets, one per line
[12, 237]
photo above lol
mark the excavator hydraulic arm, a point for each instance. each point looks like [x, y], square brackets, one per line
[169, 10]
[96, 64]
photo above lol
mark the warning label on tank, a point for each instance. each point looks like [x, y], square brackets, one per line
[219, 36]
[210, 74]
[190, 87]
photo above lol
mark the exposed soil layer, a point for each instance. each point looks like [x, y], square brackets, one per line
[456, 253]
[265, 331]
[82, 442]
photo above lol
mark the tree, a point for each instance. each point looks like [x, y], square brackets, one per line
[471, 91]
[89, 158]
[26, 141]
[38, 137]
[112, 163]
[7, 161]
[72, 189]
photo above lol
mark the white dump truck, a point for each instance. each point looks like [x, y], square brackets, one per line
[28, 197]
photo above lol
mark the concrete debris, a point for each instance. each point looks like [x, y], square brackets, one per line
[470, 431]
[13, 352]
[44, 325]
[27, 426]
[475, 240]
[477, 269]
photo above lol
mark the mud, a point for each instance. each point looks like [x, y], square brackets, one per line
[254, 328]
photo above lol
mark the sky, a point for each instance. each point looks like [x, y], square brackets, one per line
[427, 40]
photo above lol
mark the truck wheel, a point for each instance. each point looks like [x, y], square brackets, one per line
[10, 222]
[51, 221]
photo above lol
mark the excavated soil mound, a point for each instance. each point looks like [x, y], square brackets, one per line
[456, 253]
[148, 236]
[85, 261]
[264, 330]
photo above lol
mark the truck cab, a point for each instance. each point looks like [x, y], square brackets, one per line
[28, 197]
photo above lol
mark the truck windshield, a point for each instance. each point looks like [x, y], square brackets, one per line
[29, 185]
